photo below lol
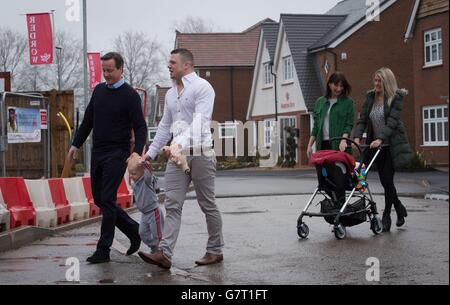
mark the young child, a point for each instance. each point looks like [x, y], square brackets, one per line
[144, 190]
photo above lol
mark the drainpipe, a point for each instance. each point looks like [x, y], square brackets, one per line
[275, 87]
[232, 92]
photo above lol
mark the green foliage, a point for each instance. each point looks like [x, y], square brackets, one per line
[291, 149]
[79, 168]
[418, 162]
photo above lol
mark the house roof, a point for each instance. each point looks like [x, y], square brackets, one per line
[302, 31]
[222, 49]
[422, 9]
[355, 12]
[431, 7]
[270, 33]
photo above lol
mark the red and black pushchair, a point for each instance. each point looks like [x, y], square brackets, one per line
[337, 175]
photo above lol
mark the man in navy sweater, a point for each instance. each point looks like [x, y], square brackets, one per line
[113, 111]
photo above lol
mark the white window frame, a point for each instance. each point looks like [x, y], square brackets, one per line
[428, 45]
[268, 77]
[160, 112]
[435, 123]
[268, 130]
[288, 68]
[227, 126]
[151, 130]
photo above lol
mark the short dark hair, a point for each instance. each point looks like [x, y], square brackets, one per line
[336, 78]
[185, 53]
[118, 59]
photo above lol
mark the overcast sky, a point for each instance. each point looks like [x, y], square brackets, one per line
[107, 18]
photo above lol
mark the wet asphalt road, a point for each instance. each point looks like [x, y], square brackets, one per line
[261, 247]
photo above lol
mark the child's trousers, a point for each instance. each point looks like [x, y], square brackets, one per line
[151, 228]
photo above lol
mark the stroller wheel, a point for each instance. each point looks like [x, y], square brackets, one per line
[376, 226]
[303, 230]
[339, 231]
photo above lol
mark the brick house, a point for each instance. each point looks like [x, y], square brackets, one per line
[226, 61]
[159, 99]
[427, 32]
[296, 80]
[354, 42]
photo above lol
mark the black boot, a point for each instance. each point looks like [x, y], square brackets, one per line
[98, 257]
[135, 244]
[401, 214]
[386, 221]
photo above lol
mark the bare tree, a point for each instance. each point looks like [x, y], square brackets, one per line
[67, 71]
[12, 49]
[143, 59]
[29, 78]
[192, 24]
[64, 74]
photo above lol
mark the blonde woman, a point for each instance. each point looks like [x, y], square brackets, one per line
[380, 116]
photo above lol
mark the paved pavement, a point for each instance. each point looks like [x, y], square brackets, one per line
[260, 210]
[251, 182]
[261, 247]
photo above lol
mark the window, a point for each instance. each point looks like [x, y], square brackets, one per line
[152, 133]
[227, 130]
[268, 129]
[288, 68]
[268, 77]
[435, 125]
[433, 47]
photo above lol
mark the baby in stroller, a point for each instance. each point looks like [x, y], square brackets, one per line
[337, 173]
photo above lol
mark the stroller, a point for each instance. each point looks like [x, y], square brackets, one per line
[337, 173]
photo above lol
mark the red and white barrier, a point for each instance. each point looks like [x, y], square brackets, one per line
[4, 215]
[39, 192]
[51, 202]
[124, 197]
[59, 199]
[79, 205]
[17, 201]
[94, 210]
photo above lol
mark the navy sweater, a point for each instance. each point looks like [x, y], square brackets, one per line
[111, 114]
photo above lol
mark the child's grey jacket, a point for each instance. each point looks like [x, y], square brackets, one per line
[144, 190]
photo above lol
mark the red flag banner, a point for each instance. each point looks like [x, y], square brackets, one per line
[40, 38]
[95, 69]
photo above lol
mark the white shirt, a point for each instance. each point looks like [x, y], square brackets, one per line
[326, 121]
[187, 115]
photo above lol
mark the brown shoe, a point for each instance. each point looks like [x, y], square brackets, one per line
[157, 258]
[209, 259]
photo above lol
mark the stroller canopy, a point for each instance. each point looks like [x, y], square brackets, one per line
[331, 157]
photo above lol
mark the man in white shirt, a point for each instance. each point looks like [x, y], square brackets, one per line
[187, 115]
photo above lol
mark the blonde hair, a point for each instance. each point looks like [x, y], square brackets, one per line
[389, 83]
[135, 167]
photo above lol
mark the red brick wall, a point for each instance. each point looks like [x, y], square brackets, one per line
[220, 79]
[231, 85]
[380, 44]
[431, 83]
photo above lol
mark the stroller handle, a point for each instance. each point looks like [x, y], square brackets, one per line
[358, 146]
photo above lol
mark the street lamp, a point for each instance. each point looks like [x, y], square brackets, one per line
[275, 129]
[58, 65]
